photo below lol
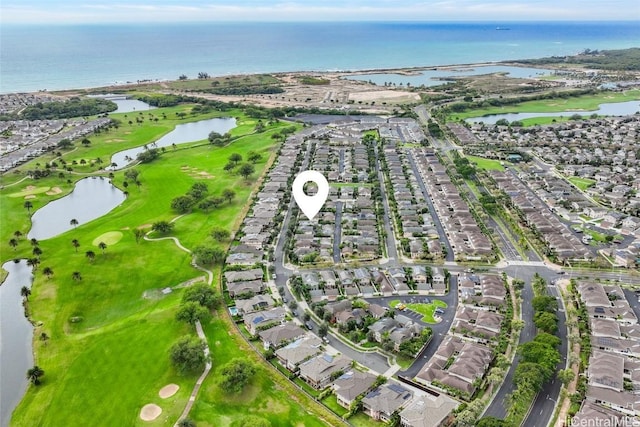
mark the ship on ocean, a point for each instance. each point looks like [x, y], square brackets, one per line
[502, 29]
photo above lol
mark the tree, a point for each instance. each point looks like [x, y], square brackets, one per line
[34, 374]
[90, 255]
[203, 294]
[186, 422]
[65, 143]
[76, 276]
[323, 330]
[254, 157]
[191, 311]
[34, 242]
[13, 243]
[491, 422]
[546, 322]
[163, 227]
[566, 376]
[17, 234]
[102, 246]
[131, 174]
[47, 271]
[76, 244]
[28, 205]
[86, 142]
[187, 355]
[73, 222]
[220, 234]
[229, 167]
[235, 158]
[36, 251]
[246, 170]
[236, 375]
[25, 292]
[33, 262]
[139, 234]
[206, 255]
[198, 190]
[182, 204]
[228, 195]
[44, 337]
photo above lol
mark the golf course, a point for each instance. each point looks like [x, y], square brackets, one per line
[102, 330]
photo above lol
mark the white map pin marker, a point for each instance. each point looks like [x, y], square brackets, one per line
[310, 205]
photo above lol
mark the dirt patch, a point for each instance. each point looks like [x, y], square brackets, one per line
[150, 412]
[385, 95]
[168, 391]
[54, 191]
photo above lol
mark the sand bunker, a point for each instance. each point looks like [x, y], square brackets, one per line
[30, 196]
[150, 412]
[30, 187]
[168, 390]
[54, 191]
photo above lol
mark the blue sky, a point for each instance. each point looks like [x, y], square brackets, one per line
[80, 11]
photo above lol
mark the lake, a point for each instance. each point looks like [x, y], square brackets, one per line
[439, 77]
[125, 104]
[187, 132]
[607, 109]
[16, 334]
[90, 199]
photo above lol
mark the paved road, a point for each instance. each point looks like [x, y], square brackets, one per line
[432, 210]
[390, 240]
[337, 234]
[545, 402]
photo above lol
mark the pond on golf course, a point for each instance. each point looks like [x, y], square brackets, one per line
[187, 132]
[606, 109]
[16, 334]
[90, 199]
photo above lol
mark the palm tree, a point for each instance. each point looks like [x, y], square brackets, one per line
[34, 242]
[37, 251]
[76, 276]
[76, 244]
[44, 337]
[17, 234]
[73, 222]
[25, 292]
[28, 205]
[102, 246]
[47, 271]
[90, 255]
[13, 243]
[33, 262]
[34, 374]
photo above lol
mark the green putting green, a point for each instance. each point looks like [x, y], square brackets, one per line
[110, 238]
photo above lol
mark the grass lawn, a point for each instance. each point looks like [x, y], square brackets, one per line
[107, 355]
[427, 310]
[269, 395]
[362, 420]
[582, 183]
[486, 164]
[331, 402]
[586, 103]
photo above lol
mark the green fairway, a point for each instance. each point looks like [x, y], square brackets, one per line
[30, 191]
[584, 103]
[107, 352]
[582, 183]
[486, 164]
[427, 310]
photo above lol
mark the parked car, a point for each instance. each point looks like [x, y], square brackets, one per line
[309, 325]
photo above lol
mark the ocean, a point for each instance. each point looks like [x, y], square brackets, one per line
[54, 57]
